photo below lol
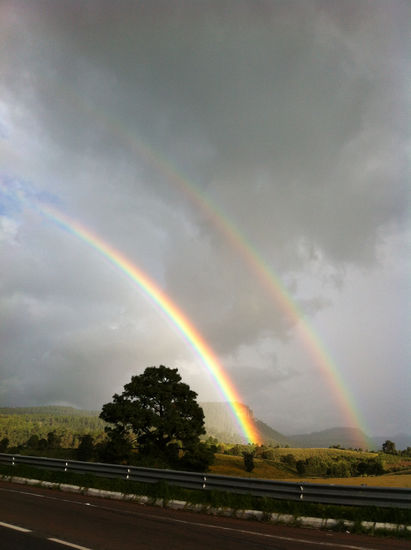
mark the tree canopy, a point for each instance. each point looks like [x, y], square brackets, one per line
[389, 447]
[159, 413]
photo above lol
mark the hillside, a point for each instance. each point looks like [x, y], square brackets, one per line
[19, 424]
[348, 438]
[272, 437]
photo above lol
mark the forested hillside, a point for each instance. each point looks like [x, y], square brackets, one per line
[19, 424]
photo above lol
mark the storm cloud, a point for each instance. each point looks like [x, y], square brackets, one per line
[147, 121]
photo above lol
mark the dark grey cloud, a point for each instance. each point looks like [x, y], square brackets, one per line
[287, 117]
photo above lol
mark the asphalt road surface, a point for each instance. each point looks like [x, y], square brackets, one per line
[42, 519]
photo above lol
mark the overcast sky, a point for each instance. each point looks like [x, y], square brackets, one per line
[291, 119]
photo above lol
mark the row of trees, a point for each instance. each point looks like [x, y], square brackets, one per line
[339, 468]
[388, 447]
[53, 441]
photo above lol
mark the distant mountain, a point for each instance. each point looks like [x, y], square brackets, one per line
[220, 423]
[272, 437]
[353, 438]
[402, 440]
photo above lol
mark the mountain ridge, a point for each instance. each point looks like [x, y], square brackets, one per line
[344, 436]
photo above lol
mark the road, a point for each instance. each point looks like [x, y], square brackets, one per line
[30, 518]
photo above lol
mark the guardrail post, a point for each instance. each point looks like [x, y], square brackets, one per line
[65, 467]
[204, 481]
[128, 473]
[12, 461]
[301, 492]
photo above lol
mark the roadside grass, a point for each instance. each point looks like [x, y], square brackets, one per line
[217, 499]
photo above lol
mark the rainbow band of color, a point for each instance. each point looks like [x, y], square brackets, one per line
[238, 242]
[187, 329]
[267, 277]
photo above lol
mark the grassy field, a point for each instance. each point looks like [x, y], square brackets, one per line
[274, 469]
[227, 465]
[302, 454]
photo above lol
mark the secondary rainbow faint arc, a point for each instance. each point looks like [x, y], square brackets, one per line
[247, 251]
[239, 242]
[186, 327]
[269, 280]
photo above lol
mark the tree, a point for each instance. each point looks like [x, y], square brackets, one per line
[389, 447]
[249, 461]
[301, 467]
[4, 443]
[289, 460]
[33, 442]
[85, 450]
[159, 413]
[53, 440]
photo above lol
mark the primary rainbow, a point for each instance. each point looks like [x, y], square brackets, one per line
[268, 278]
[186, 327]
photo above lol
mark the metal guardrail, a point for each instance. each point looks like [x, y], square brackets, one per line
[285, 490]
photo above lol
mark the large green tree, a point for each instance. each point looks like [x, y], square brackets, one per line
[160, 413]
[389, 447]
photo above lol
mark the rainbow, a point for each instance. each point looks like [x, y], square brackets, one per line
[267, 277]
[166, 305]
[256, 264]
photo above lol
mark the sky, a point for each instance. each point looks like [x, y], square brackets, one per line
[187, 135]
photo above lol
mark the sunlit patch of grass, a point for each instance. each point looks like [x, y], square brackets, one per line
[388, 480]
[227, 465]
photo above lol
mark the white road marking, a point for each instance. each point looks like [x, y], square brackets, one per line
[15, 527]
[195, 523]
[44, 496]
[267, 535]
[70, 544]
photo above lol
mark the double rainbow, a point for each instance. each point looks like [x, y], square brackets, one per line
[316, 348]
